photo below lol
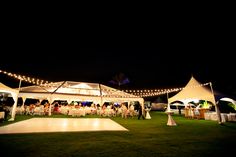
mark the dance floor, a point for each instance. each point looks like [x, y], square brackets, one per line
[39, 125]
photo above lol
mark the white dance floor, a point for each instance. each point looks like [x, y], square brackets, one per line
[39, 125]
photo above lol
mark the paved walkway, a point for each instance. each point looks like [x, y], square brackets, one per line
[38, 125]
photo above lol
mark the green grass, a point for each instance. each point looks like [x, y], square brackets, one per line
[195, 138]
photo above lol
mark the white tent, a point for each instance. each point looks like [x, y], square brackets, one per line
[14, 93]
[229, 100]
[196, 91]
[77, 91]
[193, 91]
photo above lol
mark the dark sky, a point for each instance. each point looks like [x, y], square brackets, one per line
[152, 53]
[164, 66]
[155, 58]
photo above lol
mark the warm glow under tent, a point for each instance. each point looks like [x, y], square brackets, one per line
[14, 94]
[193, 91]
[77, 91]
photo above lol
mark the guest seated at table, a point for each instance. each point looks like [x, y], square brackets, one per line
[46, 108]
[31, 109]
[56, 109]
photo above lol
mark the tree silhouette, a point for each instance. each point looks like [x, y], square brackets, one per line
[119, 79]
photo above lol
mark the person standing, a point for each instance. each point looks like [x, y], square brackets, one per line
[140, 111]
[124, 111]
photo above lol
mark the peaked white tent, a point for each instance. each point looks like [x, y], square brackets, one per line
[14, 93]
[193, 91]
[196, 91]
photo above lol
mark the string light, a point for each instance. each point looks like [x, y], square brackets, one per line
[26, 79]
[156, 92]
[130, 93]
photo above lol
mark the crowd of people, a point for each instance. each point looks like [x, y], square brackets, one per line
[124, 110]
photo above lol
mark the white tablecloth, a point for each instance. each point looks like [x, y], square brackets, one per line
[2, 114]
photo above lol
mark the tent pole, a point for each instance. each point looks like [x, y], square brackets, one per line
[19, 85]
[216, 106]
[50, 105]
[100, 89]
[168, 105]
[13, 113]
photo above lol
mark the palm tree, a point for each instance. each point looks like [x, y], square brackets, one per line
[119, 79]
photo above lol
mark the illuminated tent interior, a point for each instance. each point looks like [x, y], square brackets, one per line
[14, 94]
[193, 91]
[77, 91]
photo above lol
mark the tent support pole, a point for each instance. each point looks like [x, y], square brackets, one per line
[216, 106]
[13, 112]
[168, 105]
[100, 89]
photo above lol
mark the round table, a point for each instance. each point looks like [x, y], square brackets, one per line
[147, 113]
[170, 121]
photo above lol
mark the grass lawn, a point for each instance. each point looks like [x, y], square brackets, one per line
[147, 138]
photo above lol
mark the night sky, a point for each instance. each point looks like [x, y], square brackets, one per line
[151, 53]
[165, 66]
[154, 59]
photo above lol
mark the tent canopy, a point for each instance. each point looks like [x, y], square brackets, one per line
[14, 93]
[193, 91]
[6, 89]
[228, 100]
[77, 91]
